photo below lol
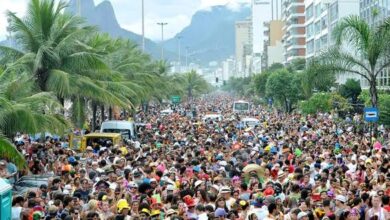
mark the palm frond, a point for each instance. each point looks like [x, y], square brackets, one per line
[9, 151]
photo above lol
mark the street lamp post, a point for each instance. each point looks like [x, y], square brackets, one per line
[143, 26]
[179, 45]
[162, 24]
[187, 48]
[179, 48]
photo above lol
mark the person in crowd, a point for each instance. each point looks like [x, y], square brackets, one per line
[189, 166]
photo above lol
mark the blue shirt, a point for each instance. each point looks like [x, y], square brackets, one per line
[11, 168]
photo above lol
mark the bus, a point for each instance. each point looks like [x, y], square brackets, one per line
[241, 106]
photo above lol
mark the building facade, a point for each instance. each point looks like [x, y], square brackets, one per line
[260, 14]
[275, 47]
[321, 18]
[374, 12]
[244, 46]
[293, 16]
[273, 50]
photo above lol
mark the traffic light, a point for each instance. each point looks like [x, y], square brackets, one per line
[216, 79]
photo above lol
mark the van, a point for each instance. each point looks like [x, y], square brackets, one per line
[166, 112]
[241, 106]
[88, 139]
[250, 122]
[126, 128]
[212, 117]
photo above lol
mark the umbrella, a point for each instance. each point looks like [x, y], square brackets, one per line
[254, 167]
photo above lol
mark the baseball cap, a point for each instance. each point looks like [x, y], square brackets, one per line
[341, 198]
[301, 215]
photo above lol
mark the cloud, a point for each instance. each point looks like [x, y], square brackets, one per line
[17, 6]
[232, 4]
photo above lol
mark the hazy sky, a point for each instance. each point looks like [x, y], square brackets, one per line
[176, 12]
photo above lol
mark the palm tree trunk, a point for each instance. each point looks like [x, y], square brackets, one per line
[373, 93]
[94, 111]
[190, 94]
[286, 104]
[374, 103]
[62, 101]
[110, 113]
[102, 115]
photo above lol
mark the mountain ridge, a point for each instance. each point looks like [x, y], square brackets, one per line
[206, 41]
[103, 16]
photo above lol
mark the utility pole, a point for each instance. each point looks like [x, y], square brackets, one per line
[78, 8]
[162, 24]
[187, 48]
[179, 48]
[143, 26]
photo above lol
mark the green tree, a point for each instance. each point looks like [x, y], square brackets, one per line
[241, 85]
[56, 51]
[259, 82]
[366, 55]
[297, 64]
[193, 83]
[317, 79]
[280, 86]
[351, 89]
[275, 66]
[318, 102]
[22, 109]
[384, 105]
[324, 102]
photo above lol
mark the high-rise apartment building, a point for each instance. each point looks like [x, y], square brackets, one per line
[244, 46]
[273, 49]
[321, 18]
[293, 15]
[260, 14]
[374, 12]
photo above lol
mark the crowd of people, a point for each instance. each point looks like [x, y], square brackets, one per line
[289, 166]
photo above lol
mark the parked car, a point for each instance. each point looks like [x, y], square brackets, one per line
[29, 183]
[250, 122]
[212, 117]
[166, 112]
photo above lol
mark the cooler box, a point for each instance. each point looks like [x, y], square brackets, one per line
[5, 200]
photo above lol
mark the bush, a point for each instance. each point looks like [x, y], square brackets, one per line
[383, 106]
[324, 102]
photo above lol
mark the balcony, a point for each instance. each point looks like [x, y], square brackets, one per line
[293, 5]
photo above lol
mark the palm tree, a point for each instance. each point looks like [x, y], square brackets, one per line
[22, 112]
[194, 83]
[361, 50]
[55, 50]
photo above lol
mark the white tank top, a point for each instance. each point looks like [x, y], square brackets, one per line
[381, 214]
[16, 211]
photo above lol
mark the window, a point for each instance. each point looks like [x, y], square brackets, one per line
[310, 47]
[333, 12]
[318, 10]
[309, 12]
[324, 23]
[317, 45]
[317, 27]
[310, 30]
[324, 41]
